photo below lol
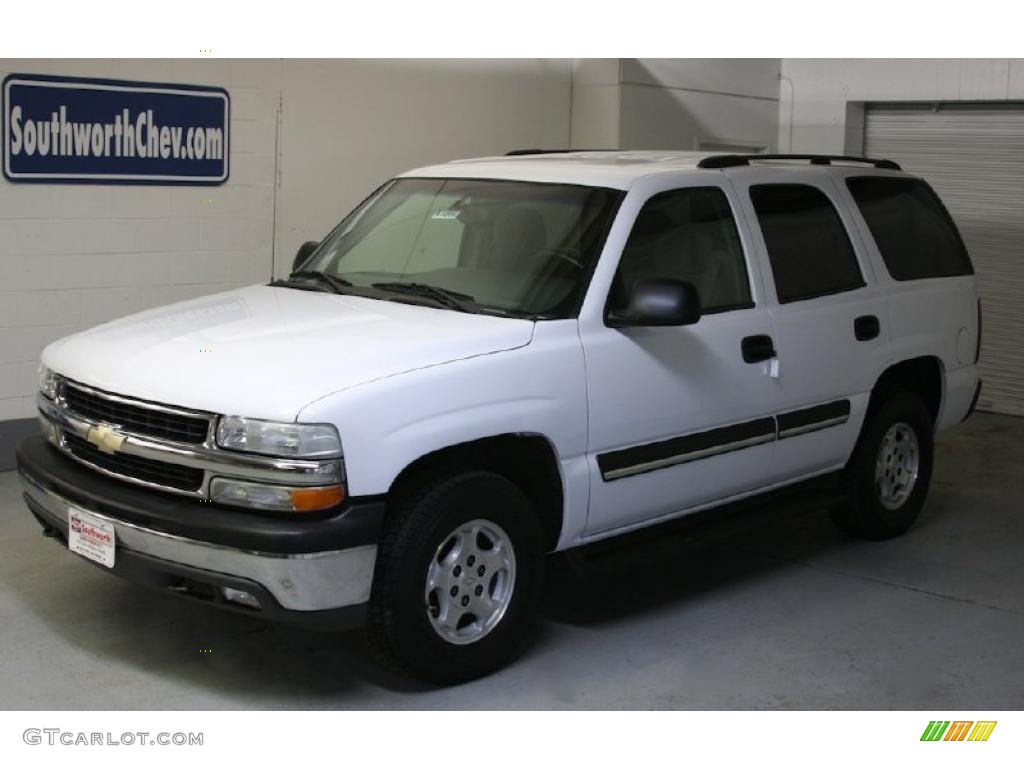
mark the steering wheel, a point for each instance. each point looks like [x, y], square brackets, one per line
[570, 256]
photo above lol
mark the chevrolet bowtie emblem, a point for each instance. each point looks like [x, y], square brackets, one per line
[105, 438]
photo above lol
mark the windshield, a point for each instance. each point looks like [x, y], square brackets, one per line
[508, 247]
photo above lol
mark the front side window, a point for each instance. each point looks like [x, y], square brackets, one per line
[807, 244]
[688, 235]
[500, 247]
[913, 231]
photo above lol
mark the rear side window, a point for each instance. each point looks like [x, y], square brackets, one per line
[913, 231]
[808, 247]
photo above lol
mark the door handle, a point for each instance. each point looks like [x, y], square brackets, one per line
[866, 327]
[757, 348]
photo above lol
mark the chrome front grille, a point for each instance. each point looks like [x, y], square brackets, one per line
[138, 418]
[160, 446]
[159, 473]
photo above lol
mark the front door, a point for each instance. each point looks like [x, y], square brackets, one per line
[681, 417]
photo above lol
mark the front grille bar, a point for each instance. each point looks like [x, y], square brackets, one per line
[157, 473]
[137, 417]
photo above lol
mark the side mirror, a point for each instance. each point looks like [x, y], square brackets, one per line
[303, 253]
[658, 303]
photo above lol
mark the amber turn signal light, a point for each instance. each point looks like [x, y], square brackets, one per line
[313, 499]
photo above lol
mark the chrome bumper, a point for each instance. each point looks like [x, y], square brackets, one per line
[316, 581]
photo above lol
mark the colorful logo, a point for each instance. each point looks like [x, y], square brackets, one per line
[958, 730]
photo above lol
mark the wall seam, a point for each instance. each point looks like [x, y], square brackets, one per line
[572, 92]
[700, 90]
[277, 180]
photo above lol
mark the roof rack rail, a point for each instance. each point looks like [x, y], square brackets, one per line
[518, 152]
[732, 161]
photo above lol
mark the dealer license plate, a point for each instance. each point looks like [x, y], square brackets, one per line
[91, 537]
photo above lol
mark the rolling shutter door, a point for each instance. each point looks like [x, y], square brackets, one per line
[973, 155]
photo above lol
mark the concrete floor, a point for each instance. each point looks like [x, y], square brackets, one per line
[785, 615]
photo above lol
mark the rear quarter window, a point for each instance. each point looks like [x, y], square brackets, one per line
[913, 231]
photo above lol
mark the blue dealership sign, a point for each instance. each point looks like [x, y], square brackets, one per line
[83, 130]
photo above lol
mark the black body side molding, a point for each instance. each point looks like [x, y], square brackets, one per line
[660, 454]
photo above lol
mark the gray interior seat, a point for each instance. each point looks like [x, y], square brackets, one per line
[519, 235]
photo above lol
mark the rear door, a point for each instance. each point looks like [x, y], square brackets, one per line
[829, 318]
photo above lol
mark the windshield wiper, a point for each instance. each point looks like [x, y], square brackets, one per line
[336, 284]
[450, 299]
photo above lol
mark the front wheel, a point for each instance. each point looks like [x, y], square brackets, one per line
[888, 475]
[457, 579]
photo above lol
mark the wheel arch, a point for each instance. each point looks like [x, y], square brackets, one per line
[923, 376]
[527, 459]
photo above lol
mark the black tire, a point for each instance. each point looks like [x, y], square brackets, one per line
[400, 630]
[864, 515]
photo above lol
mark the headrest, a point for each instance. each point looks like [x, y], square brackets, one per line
[649, 225]
[519, 232]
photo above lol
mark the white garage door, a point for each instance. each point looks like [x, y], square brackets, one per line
[974, 157]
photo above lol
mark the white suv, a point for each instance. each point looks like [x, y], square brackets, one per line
[493, 359]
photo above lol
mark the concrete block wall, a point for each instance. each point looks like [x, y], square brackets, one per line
[698, 104]
[73, 256]
[596, 103]
[717, 104]
[348, 127]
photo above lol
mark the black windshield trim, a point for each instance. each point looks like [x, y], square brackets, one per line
[602, 240]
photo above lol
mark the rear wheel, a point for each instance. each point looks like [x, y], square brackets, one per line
[888, 475]
[457, 579]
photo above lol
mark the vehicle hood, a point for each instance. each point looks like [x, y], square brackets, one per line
[267, 352]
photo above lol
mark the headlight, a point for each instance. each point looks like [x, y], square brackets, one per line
[47, 382]
[272, 438]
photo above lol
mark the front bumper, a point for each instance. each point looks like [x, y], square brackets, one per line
[314, 571]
